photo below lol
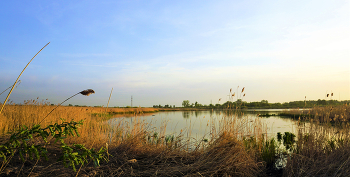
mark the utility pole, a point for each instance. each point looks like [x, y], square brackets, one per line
[131, 100]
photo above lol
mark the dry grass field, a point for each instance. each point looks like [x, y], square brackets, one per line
[136, 150]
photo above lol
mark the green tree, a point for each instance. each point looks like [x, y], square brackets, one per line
[186, 103]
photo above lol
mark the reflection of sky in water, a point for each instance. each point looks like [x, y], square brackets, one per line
[196, 124]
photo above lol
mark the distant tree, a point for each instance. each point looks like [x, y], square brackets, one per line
[321, 102]
[185, 103]
[264, 101]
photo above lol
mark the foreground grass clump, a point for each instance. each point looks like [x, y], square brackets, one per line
[320, 151]
[33, 142]
[323, 144]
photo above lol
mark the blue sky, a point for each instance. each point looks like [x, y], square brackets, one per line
[164, 52]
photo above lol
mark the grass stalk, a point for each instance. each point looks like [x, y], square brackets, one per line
[19, 82]
[84, 92]
[109, 98]
[19, 77]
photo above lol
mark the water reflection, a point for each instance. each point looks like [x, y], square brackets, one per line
[199, 124]
[186, 114]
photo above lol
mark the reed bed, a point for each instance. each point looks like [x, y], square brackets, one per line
[323, 146]
[138, 149]
[238, 145]
[322, 114]
[320, 151]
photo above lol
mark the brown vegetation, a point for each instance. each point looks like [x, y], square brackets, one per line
[138, 150]
[135, 150]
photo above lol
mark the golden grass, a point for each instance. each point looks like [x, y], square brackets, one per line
[2, 107]
[224, 154]
[35, 111]
[321, 151]
[324, 114]
[323, 146]
[137, 151]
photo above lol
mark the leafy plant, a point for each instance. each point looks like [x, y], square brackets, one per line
[288, 140]
[34, 141]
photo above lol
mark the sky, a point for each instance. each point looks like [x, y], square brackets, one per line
[164, 52]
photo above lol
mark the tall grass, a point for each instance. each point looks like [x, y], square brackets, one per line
[320, 151]
[323, 146]
[238, 145]
[222, 154]
[322, 114]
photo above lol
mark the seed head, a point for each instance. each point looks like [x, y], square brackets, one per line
[87, 92]
[243, 89]
[327, 94]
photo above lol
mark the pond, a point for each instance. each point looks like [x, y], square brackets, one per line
[200, 124]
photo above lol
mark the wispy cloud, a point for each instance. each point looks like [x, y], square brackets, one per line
[81, 55]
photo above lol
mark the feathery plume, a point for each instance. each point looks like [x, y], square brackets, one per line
[87, 92]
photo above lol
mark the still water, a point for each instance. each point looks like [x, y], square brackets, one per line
[198, 124]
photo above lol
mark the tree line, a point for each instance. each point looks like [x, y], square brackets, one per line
[264, 104]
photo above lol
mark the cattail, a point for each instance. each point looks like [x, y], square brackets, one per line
[219, 99]
[230, 90]
[331, 94]
[327, 94]
[243, 89]
[243, 94]
[233, 94]
[87, 92]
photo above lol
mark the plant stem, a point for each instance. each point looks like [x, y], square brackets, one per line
[19, 77]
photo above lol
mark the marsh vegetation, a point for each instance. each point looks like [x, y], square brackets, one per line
[236, 146]
[41, 139]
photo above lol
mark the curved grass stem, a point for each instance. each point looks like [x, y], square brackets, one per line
[3, 105]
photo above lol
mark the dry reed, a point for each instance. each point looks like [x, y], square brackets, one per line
[224, 154]
[19, 77]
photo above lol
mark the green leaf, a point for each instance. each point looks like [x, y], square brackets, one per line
[75, 153]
